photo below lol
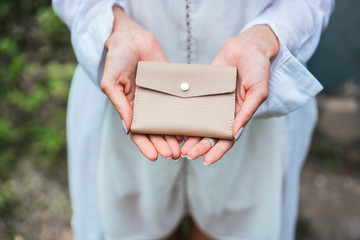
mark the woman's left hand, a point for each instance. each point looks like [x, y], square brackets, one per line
[251, 53]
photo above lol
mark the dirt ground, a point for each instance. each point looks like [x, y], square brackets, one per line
[330, 181]
[329, 205]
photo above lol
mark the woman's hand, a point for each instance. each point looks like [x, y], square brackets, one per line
[128, 44]
[251, 52]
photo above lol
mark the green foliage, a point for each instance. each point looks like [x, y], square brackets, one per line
[58, 76]
[52, 33]
[50, 23]
[11, 63]
[9, 136]
[27, 102]
[6, 161]
[47, 139]
[36, 67]
[52, 140]
[4, 9]
[8, 47]
[8, 133]
[326, 153]
[8, 198]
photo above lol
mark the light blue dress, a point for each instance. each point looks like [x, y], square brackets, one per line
[252, 192]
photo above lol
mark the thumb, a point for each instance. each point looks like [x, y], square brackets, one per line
[117, 97]
[221, 60]
[253, 99]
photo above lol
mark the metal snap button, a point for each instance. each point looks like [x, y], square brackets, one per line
[184, 87]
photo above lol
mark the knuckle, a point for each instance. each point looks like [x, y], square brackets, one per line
[223, 148]
[230, 44]
[150, 38]
[147, 43]
[111, 41]
[104, 85]
[264, 94]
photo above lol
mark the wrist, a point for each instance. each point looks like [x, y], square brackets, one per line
[269, 43]
[118, 14]
[124, 29]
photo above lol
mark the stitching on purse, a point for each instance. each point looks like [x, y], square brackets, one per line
[232, 111]
[184, 107]
[137, 96]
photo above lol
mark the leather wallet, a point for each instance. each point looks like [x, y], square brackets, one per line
[184, 99]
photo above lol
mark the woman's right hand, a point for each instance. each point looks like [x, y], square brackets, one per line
[128, 44]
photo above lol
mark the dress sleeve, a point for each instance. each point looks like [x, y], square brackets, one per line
[90, 23]
[298, 25]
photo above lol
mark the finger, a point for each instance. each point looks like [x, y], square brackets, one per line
[253, 99]
[220, 60]
[156, 56]
[199, 149]
[145, 146]
[174, 146]
[189, 143]
[122, 106]
[218, 151]
[179, 138]
[223, 58]
[118, 81]
[161, 146]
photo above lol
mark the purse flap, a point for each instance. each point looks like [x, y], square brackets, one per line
[186, 80]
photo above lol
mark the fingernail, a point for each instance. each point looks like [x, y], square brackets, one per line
[167, 158]
[183, 156]
[206, 164]
[176, 159]
[190, 158]
[237, 136]
[124, 126]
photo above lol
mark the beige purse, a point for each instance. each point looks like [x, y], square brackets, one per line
[184, 99]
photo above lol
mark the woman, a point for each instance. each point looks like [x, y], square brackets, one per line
[252, 192]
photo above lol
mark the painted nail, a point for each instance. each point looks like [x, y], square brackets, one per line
[207, 164]
[239, 134]
[124, 126]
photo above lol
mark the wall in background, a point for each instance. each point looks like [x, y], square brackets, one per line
[337, 59]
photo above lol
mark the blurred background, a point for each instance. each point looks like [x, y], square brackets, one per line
[36, 66]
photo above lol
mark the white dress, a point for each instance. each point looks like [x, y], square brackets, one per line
[251, 193]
